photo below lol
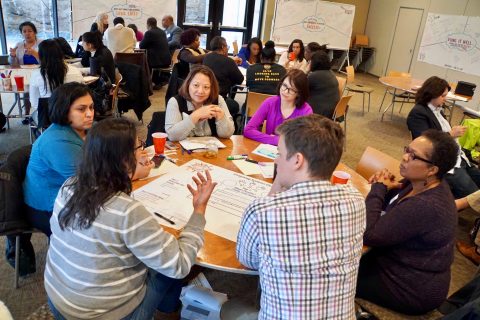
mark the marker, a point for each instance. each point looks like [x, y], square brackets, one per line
[237, 157]
[251, 160]
[164, 218]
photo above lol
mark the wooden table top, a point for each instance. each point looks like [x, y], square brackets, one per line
[220, 253]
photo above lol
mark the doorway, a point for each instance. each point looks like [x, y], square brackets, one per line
[404, 39]
[232, 19]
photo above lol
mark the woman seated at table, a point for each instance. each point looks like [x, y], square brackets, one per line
[96, 50]
[198, 109]
[428, 114]
[290, 102]
[108, 257]
[25, 51]
[53, 72]
[323, 85]
[191, 53]
[411, 226]
[264, 77]
[294, 57]
[250, 52]
[101, 23]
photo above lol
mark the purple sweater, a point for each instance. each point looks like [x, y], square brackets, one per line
[270, 111]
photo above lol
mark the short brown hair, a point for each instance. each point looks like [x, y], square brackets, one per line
[432, 88]
[299, 79]
[213, 83]
[318, 139]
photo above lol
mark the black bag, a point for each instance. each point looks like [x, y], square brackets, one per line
[465, 88]
[101, 96]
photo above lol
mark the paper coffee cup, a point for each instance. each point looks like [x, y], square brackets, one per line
[340, 177]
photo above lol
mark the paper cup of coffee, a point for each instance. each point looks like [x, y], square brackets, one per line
[159, 139]
[340, 177]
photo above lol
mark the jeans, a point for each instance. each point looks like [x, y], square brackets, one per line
[162, 293]
[464, 180]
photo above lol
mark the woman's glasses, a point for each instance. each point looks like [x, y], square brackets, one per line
[288, 89]
[413, 156]
[141, 146]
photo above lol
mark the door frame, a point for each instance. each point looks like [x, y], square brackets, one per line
[395, 33]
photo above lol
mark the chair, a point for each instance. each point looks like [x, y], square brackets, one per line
[341, 85]
[254, 100]
[170, 67]
[115, 98]
[139, 58]
[357, 88]
[43, 120]
[340, 114]
[235, 47]
[374, 160]
[406, 96]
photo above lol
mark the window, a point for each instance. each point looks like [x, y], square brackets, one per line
[17, 11]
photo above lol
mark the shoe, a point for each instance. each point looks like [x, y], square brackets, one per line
[27, 120]
[469, 251]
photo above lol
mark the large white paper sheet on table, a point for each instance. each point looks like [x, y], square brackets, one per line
[192, 143]
[267, 151]
[169, 196]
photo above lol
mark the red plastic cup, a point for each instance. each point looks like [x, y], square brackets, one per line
[292, 56]
[20, 83]
[340, 177]
[159, 139]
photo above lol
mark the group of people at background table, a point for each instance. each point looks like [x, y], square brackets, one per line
[406, 246]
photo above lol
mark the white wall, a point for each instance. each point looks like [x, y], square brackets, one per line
[382, 18]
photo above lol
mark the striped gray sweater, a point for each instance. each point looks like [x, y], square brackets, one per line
[100, 272]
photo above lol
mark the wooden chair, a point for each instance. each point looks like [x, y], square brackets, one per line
[341, 85]
[406, 96]
[115, 98]
[235, 47]
[340, 115]
[374, 160]
[254, 100]
[357, 88]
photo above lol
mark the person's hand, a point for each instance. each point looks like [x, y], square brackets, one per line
[32, 52]
[386, 177]
[219, 114]
[142, 170]
[458, 131]
[203, 113]
[201, 195]
[237, 60]
[142, 157]
[13, 52]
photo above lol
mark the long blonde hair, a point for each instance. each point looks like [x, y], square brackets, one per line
[99, 22]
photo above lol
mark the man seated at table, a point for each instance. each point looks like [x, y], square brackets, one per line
[119, 38]
[173, 33]
[305, 237]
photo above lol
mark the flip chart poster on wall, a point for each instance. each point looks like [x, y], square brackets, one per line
[136, 12]
[452, 42]
[312, 20]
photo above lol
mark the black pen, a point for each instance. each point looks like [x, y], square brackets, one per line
[251, 160]
[164, 218]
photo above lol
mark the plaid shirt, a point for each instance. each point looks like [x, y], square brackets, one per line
[306, 243]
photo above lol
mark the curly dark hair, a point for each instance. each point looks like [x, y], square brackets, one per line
[188, 36]
[432, 88]
[299, 80]
[108, 162]
[444, 152]
[301, 55]
[320, 61]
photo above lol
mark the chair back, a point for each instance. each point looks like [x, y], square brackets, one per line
[175, 56]
[118, 80]
[138, 58]
[350, 74]
[342, 107]
[254, 100]
[395, 73]
[374, 160]
[43, 117]
[342, 82]
[235, 47]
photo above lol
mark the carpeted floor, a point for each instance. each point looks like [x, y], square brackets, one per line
[389, 136]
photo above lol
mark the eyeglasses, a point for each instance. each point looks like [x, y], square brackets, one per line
[413, 156]
[288, 89]
[141, 146]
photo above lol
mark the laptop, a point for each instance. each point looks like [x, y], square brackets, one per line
[4, 60]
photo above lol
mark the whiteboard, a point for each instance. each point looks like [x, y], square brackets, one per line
[132, 11]
[313, 20]
[451, 42]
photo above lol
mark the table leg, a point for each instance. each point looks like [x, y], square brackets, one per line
[450, 116]
[8, 115]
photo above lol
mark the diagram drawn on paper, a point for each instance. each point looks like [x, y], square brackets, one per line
[313, 20]
[451, 42]
[169, 196]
